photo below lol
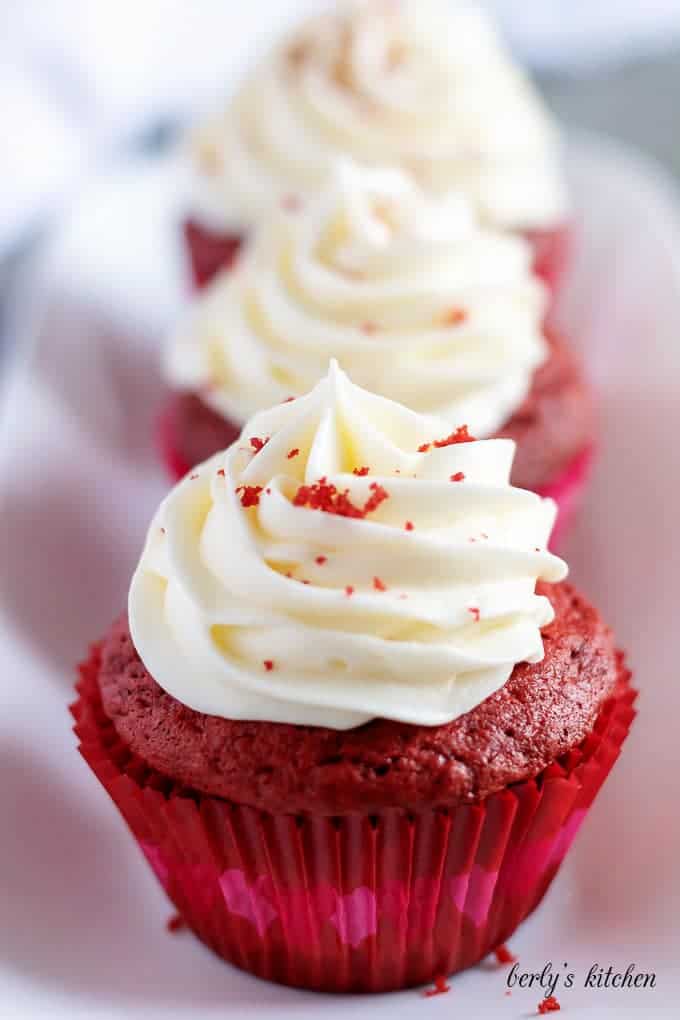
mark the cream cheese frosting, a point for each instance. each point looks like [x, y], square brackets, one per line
[418, 84]
[415, 298]
[345, 559]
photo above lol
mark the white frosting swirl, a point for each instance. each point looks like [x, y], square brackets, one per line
[281, 611]
[415, 299]
[412, 84]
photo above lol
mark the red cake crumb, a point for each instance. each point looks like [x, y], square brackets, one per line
[361, 472]
[409, 525]
[459, 435]
[503, 954]
[175, 923]
[455, 316]
[257, 443]
[221, 473]
[268, 665]
[293, 453]
[321, 560]
[369, 327]
[379, 585]
[458, 477]
[549, 1005]
[473, 609]
[288, 400]
[324, 496]
[250, 495]
[379, 495]
[349, 590]
[440, 987]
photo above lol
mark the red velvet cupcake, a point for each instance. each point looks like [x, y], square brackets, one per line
[419, 302]
[352, 736]
[430, 90]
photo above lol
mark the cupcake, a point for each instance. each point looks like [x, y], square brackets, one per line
[418, 300]
[425, 87]
[354, 716]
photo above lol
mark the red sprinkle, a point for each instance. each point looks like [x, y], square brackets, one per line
[549, 1005]
[349, 590]
[455, 316]
[175, 923]
[473, 609]
[221, 473]
[257, 444]
[460, 435]
[379, 496]
[288, 400]
[440, 987]
[361, 472]
[503, 954]
[250, 495]
[321, 560]
[293, 453]
[324, 496]
[458, 477]
[268, 665]
[409, 525]
[379, 585]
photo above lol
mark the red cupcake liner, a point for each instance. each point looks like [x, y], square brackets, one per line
[361, 902]
[175, 463]
[209, 251]
[552, 252]
[567, 491]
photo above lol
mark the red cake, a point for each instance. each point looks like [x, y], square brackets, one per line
[544, 710]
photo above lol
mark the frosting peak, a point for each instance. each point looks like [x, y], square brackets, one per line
[345, 559]
[425, 86]
[409, 292]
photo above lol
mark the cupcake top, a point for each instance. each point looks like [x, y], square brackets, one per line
[419, 84]
[346, 559]
[418, 301]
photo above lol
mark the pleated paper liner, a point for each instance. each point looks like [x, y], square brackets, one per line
[359, 902]
[567, 491]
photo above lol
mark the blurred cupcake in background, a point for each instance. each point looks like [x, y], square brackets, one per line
[354, 716]
[424, 86]
[418, 300]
